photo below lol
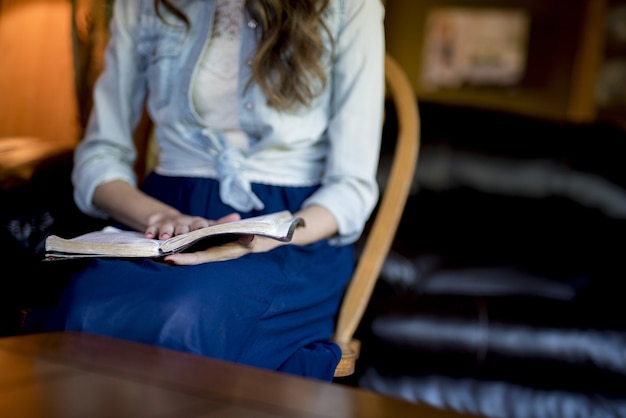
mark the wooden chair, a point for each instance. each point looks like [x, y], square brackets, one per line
[382, 225]
[384, 222]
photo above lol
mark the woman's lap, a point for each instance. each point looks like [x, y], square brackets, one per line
[264, 309]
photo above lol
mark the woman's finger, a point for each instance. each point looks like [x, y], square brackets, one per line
[219, 253]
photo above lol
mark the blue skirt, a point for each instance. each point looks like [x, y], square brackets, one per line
[273, 310]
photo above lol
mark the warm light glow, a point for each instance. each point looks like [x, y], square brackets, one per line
[20, 157]
[37, 97]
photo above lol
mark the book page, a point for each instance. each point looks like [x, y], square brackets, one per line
[109, 241]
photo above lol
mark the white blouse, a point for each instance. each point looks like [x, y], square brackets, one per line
[215, 84]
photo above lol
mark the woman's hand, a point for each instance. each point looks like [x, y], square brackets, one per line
[180, 224]
[245, 244]
[319, 224]
[165, 226]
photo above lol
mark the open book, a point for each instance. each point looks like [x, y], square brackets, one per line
[114, 242]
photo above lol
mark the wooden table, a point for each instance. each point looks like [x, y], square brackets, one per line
[75, 375]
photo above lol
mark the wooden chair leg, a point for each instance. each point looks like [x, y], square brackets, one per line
[349, 354]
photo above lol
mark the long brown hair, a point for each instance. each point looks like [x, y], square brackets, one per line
[288, 65]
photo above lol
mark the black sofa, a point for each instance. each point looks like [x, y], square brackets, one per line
[503, 296]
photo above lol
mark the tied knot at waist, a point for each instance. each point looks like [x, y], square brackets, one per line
[235, 188]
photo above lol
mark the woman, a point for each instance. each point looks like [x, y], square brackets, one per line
[258, 106]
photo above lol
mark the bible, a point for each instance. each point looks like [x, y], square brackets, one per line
[115, 242]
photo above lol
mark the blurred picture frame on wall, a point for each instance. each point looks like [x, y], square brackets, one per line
[477, 46]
